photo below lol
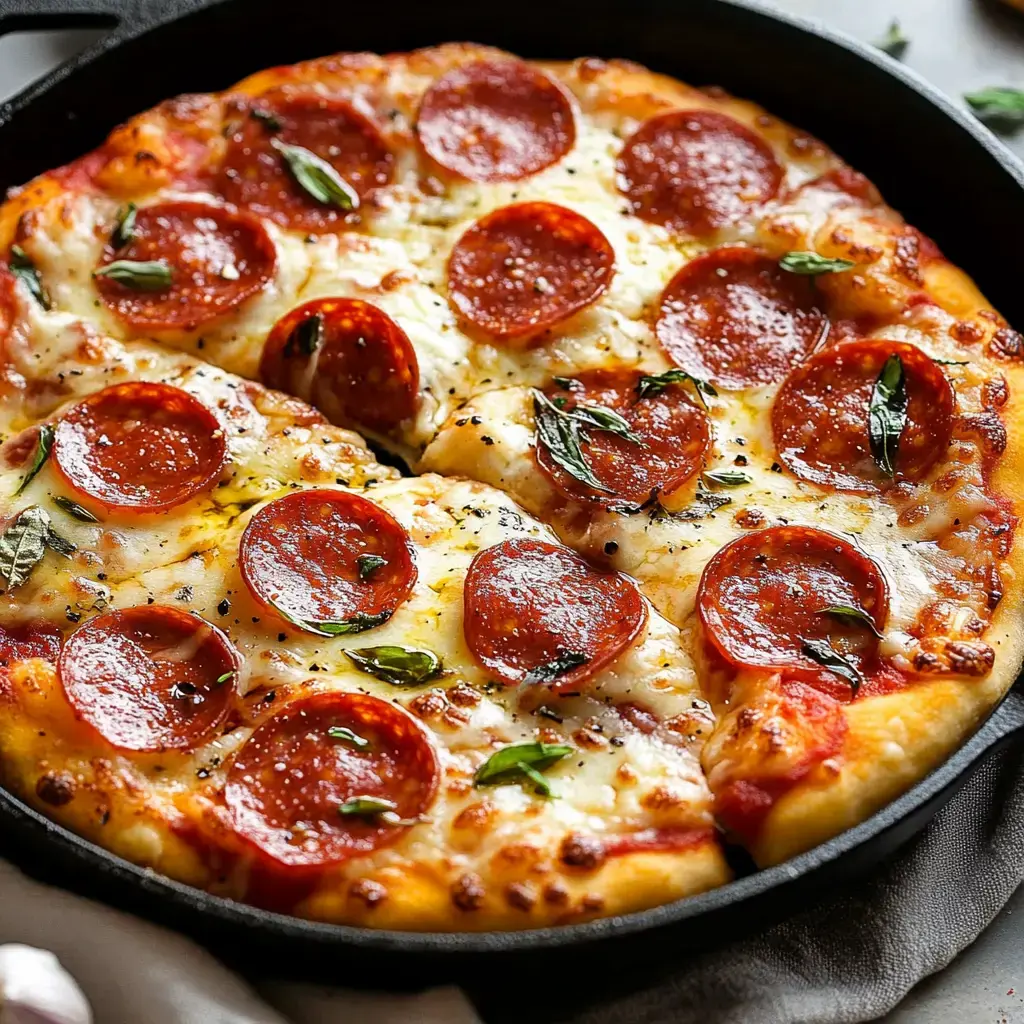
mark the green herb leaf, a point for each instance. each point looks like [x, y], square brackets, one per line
[356, 624]
[124, 229]
[559, 666]
[367, 806]
[828, 657]
[894, 42]
[55, 542]
[653, 384]
[565, 383]
[851, 616]
[951, 362]
[560, 434]
[73, 509]
[266, 118]
[728, 477]
[367, 565]
[25, 271]
[540, 784]
[1000, 107]
[306, 338]
[142, 275]
[23, 545]
[401, 666]
[810, 264]
[339, 732]
[43, 448]
[599, 418]
[519, 760]
[317, 177]
[227, 677]
[887, 415]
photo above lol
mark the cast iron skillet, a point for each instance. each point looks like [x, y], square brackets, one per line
[933, 162]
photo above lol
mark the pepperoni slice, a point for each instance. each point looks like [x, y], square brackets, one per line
[696, 170]
[495, 120]
[34, 639]
[535, 607]
[760, 598]
[141, 446]
[524, 268]
[288, 784]
[309, 554]
[150, 678]
[349, 359]
[674, 438]
[255, 176]
[820, 416]
[217, 260]
[734, 317]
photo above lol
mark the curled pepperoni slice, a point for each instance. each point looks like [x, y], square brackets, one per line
[761, 598]
[140, 446]
[495, 120]
[34, 639]
[734, 317]
[314, 557]
[216, 260]
[349, 359]
[538, 612]
[526, 267]
[150, 678]
[294, 788]
[696, 170]
[820, 416]
[255, 176]
[672, 439]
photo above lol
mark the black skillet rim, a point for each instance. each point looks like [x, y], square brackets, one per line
[1006, 719]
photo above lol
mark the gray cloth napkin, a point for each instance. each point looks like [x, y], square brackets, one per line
[856, 954]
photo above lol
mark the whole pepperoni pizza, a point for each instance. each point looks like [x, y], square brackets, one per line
[703, 531]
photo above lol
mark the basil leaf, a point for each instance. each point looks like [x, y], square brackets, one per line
[520, 759]
[43, 448]
[560, 434]
[810, 264]
[25, 271]
[339, 732]
[559, 666]
[367, 806]
[55, 542]
[306, 338]
[356, 624]
[367, 565]
[887, 415]
[600, 418]
[124, 229]
[317, 177]
[540, 784]
[1000, 107]
[266, 118]
[828, 657]
[653, 384]
[401, 666]
[73, 509]
[565, 383]
[23, 545]
[851, 616]
[894, 42]
[142, 275]
[728, 477]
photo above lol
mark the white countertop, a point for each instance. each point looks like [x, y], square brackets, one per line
[960, 45]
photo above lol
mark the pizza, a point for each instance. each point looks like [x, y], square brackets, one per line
[445, 491]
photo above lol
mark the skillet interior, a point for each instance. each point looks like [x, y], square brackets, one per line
[863, 105]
